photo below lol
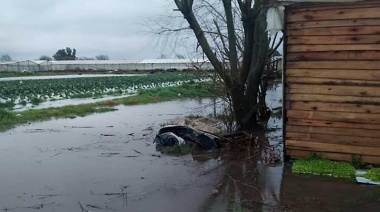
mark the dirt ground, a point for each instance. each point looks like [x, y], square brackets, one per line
[108, 162]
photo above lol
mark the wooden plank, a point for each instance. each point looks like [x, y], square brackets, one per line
[340, 90]
[334, 131]
[298, 154]
[338, 39]
[333, 55]
[329, 48]
[327, 81]
[317, 6]
[336, 139]
[348, 74]
[333, 99]
[333, 23]
[334, 14]
[334, 107]
[334, 148]
[336, 116]
[338, 124]
[360, 65]
[344, 30]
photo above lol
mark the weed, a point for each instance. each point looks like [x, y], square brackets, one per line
[357, 162]
[238, 208]
[5, 115]
[181, 149]
[373, 174]
[193, 117]
[277, 114]
[7, 105]
[36, 101]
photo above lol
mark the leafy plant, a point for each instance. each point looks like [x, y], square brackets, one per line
[373, 174]
[324, 167]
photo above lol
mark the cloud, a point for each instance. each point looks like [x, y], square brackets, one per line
[29, 29]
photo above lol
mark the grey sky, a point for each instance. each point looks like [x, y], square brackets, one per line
[31, 28]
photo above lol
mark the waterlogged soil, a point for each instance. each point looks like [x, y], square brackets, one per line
[108, 162]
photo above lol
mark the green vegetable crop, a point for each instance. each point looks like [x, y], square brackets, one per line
[37, 91]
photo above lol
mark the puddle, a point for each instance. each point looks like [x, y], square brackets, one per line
[66, 102]
[107, 162]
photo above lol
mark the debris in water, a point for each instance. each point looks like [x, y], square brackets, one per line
[107, 135]
[176, 134]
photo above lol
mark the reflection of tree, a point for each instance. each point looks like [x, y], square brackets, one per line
[249, 181]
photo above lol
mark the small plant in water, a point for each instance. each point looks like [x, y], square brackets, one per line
[192, 116]
[179, 149]
[238, 208]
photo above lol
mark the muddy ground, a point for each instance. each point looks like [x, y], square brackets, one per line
[108, 162]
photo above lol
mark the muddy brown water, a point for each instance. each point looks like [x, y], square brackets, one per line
[107, 162]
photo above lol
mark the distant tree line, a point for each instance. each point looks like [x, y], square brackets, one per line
[5, 58]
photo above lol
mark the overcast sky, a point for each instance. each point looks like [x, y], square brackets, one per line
[31, 28]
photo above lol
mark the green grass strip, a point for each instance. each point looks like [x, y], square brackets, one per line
[187, 90]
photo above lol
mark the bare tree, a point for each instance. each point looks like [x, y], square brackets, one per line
[232, 34]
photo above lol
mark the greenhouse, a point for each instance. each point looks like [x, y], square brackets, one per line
[109, 65]
[23, 66]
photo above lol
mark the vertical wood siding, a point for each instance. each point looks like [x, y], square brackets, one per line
[332, 80]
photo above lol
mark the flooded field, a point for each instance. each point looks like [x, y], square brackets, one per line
[108, 162]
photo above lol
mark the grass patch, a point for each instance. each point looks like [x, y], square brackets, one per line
[181, 149]
[36, 101]
[373, 174]
[324, 167]
[187, 90]
[7, 105]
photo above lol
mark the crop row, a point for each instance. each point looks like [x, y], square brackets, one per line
[36, 91]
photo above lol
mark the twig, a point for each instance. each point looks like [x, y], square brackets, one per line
[137, 152]
[94, 206]
[47, 195]
[251, 186]
[107, 135]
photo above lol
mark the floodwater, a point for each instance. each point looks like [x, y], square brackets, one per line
[65, 102]
[107, 162]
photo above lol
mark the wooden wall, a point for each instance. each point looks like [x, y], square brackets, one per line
[332, 80]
